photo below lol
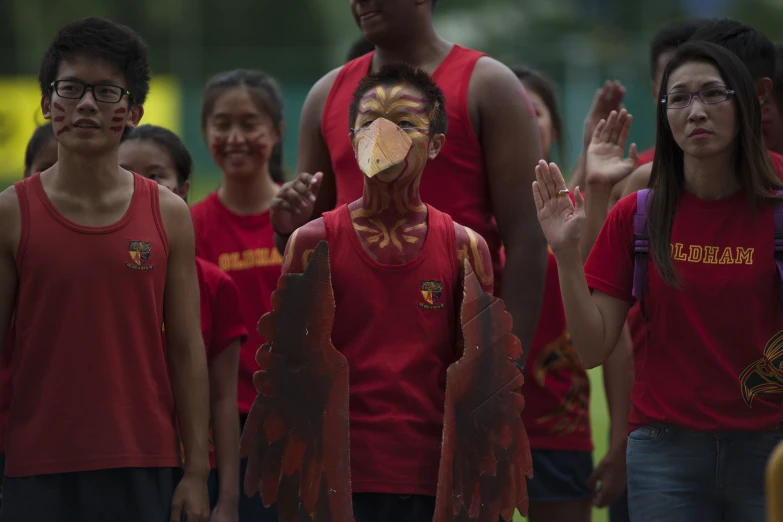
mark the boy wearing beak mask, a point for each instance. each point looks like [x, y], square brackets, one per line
[395, 277]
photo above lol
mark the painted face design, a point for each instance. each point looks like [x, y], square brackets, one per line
[385, 115]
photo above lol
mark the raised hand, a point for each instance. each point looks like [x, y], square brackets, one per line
[605, 161]
[296, 435]
[608, 98]
[561, 220]
[293, 204]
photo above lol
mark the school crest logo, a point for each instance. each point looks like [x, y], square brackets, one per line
[432, 292]
[140, 252]
[766, 374]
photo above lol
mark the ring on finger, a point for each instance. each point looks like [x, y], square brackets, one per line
[562, 192]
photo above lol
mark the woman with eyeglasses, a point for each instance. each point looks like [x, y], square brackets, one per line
[707, 403]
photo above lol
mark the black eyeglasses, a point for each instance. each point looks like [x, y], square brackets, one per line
[708, 96]
[102, 92]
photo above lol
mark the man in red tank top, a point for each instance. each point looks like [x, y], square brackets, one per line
[93, 259]
[481, 177]
[395, 266]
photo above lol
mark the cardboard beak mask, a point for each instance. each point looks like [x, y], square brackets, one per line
[380, 146]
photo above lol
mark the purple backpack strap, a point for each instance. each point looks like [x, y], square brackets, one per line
[777, 221]
[641, 247]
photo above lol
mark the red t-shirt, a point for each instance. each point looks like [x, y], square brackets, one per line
[90, 382]
[702, 364]
[635, 320]
[557, 388]
[398, 366]
[244, 248]
[456, 181]
[221, 320]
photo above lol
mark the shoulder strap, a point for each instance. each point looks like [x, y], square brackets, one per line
[641, 247]
[777, 222]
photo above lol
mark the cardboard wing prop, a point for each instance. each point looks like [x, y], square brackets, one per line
[296, 434]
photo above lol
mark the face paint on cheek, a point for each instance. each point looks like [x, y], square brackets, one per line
[531, 112]
[121, 110]
[117, 119]
[64, 129]
[116, 129]
[258, 145]
[58, 119]
[218, 145]
[58, 107]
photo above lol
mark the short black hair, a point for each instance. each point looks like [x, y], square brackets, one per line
[671, 37]
[400, 73]
[99, 38]
[41, 136]
[359, 48]
[749, 44]
[169, 142]
[265, 93]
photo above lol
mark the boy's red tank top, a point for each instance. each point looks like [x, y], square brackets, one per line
[455, 182]
[396, 326]
[90, 383]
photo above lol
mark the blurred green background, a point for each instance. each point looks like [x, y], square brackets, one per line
[577, 43]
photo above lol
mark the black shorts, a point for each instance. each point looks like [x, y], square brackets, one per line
[386, 507]
[116, 495]
[560, 475]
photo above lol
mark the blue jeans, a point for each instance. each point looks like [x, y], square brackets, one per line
[679, 475]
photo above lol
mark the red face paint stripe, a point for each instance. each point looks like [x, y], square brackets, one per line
[58, 107]
[412, 98]
[121, 110]
[116, 119]
[116, 129]
[59, 118]
[64, 129]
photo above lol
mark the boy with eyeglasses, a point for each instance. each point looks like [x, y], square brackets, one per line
[93, 260]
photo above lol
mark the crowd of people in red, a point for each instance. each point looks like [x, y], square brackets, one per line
[130, 318]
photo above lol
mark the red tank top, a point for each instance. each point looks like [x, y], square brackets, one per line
[90, 383]
[455, 182]
[6, 369]
[396, 326]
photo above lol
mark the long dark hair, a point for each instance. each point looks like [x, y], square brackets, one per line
[169, 142]
[266, 94]
[753, 167]
[543, 86]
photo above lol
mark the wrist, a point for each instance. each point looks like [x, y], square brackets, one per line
[565, 253]
[228, 501]
[598, 183]
[197, 470]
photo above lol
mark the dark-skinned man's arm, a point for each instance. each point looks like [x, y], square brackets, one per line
[293, 205]
[511, 146]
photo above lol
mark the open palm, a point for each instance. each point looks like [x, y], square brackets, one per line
[605, 160]
[561, 220]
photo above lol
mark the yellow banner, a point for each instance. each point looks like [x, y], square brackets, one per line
[20, 114]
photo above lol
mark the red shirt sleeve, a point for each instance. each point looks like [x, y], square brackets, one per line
[609, 267]
[227, 323]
